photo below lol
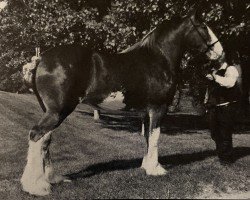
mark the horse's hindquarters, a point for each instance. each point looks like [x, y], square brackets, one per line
[58, 83]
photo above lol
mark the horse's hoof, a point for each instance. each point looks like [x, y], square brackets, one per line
[156, 171]
[67, 180]
[39, 188]
[59, 178]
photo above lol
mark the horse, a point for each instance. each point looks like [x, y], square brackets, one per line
[143, 77]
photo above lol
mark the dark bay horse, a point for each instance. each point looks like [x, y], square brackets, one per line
[143, 77]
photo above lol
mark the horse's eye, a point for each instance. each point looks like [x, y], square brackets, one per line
[203, 26]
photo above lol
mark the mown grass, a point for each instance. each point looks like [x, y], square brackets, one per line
[103, 159]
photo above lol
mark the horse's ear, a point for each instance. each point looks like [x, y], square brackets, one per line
[196, 12]
[196, 15]
[192, 12]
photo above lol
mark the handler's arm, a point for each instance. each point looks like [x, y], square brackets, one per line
[229, 79]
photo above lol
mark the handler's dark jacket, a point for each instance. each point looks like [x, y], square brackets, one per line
[218, 95]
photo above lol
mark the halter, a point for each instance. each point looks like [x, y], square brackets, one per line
[209, 46]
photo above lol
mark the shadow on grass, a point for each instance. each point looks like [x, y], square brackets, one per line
[170, 161]
[171, 124]
[132, 122]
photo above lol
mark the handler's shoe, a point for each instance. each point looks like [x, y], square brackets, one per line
[226, 160]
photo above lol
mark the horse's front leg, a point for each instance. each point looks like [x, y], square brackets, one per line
[152, 133]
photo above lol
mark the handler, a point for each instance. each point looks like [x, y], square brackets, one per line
[222, 101]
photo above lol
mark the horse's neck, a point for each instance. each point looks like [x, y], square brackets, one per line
[173, 54]
[173, 47]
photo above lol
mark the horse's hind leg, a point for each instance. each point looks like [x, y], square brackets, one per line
[33, 179]
[96, 114]
[49, 174]
[143, 118]
[152, 132]
[38, 172]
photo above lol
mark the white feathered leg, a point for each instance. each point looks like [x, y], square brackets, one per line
[33, 179]
[150, 161]
[152, 133]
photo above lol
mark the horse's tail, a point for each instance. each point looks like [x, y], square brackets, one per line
[35, 88]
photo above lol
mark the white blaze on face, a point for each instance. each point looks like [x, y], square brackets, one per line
[216, 50]
[114, 101]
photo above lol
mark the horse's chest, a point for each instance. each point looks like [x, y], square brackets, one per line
[114, 101]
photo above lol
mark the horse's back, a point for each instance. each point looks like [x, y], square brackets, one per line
[62, 75]
[65, 55]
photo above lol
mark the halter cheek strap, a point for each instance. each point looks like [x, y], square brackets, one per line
[209, 46]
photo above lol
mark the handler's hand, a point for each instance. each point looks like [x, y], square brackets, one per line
[214, 73]
[210, 77]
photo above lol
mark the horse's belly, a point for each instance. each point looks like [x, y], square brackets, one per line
[115, 101]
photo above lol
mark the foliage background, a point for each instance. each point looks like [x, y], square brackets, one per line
[112, 25]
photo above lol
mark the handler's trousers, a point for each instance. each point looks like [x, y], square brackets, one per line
[222, 120]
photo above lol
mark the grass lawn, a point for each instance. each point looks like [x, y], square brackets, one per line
[104, 158]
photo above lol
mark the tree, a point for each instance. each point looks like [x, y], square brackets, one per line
[110, 25]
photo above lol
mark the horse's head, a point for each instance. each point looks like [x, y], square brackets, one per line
[200, 37]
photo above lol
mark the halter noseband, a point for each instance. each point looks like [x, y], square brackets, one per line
[209, 46]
